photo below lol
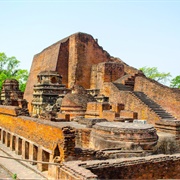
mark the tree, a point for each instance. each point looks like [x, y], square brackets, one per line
[9, 70]
[175, 82]
[153, 73]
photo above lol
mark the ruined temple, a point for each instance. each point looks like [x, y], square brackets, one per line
[81, 61]
[92, 115]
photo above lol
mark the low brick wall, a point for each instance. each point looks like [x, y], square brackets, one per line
[150, 167]
[160, 167]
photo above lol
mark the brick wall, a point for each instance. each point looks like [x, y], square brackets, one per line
[44, 133]
[105, 72]
[45, 60]
[150, 167]
[168, 98]
[132, 103]
[84, 52]
[62, 63]
[83, 138]
[160, 168]
[127, 69]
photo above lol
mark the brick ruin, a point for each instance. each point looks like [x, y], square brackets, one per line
[91, 113]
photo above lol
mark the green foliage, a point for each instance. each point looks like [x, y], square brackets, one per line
[175, 82]
[14, 176]
[153, 73]
[9, 70]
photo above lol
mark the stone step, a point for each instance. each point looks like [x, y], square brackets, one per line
[165, 116]
[129, 83]
[162, 112]
[131, 78]
[153, 105]
[157, 108]
[123, 87]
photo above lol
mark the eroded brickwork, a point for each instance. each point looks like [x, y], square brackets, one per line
[157, 168]
[71, 57]
[87, 52]
[105, 72]
[46, 60]
[152, 167]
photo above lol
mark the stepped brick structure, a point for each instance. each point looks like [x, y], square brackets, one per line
[10, 90]
[92, 115]
[12, 96]
[46, 91]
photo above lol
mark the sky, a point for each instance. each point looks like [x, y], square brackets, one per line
[141, 33]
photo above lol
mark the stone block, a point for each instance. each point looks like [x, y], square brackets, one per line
[128, 114]
[110, 115]
[62, 116]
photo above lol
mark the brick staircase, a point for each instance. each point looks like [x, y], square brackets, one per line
[126, 83]
[122, 87]
[154, 106]
[130, 82]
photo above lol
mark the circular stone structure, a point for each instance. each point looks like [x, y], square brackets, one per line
[109, 135]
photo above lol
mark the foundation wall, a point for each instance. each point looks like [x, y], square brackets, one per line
[38, 131]
[27, 149]
[151, 167]
[159, 169]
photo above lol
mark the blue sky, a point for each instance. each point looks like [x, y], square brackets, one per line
[141, 33]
